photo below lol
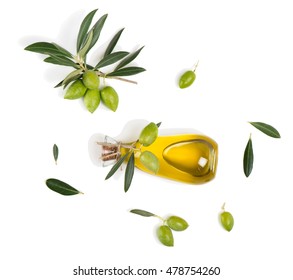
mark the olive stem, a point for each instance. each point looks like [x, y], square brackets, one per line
[223, 207]
[127, 146]
[195, 66]
[123, 79]
[159, 217]
[107, 144]
[80, 62]
[101, 74]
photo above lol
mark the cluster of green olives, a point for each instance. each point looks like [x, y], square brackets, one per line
[164, 231]
[88, 88]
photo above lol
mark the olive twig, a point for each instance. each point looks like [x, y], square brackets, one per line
[162, 219]
[104, 76]
[195, 66]
[223, 206]
[84, 80]
[122, 79]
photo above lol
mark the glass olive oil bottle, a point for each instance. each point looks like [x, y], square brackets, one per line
[188, 157]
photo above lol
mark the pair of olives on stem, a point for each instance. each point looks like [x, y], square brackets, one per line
[165, 231]
[88, 88]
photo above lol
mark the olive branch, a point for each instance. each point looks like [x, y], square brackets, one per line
[87, 38]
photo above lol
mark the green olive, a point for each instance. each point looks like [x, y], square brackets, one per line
[150, 161]
[177, 223]
[110, 98]
[91, 79]
[92, 99]
[76, 90]
[187, 79]
[165, 235]
[149, 134]
[227, 220]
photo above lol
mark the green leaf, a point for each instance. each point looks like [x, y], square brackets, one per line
[84, 50]
[61, 187]
[97, 28]
[116, 166]
[55, 152]
[84, 27]
[113, 42]
[248, 158]
[46, 48]
[59, 84]
[266, 129]
[127, 71]
[142, 213]
[128, 59]
[129, 171]
[61, 60]
[72, 76]
[110, 59]
[63, 51]
[90, 67]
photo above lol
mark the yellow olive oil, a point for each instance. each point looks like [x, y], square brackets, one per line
[188, 158]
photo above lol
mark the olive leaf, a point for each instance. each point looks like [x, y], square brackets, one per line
[116, 166]
[72, 76]
[61, 60]
[46, 48]
[266, 129]
[142, 213]
[110, 59]
[128, 59]
[248, 158]
[82, 53]
[113, 42]
[55, 152]
[63, 51]
[84, 27]
[61, 187]
[97, 28]
[127, 71]
[129, 171]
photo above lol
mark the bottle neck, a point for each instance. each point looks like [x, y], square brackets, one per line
[112, 152]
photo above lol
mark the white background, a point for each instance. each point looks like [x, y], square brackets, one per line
[244, 74]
